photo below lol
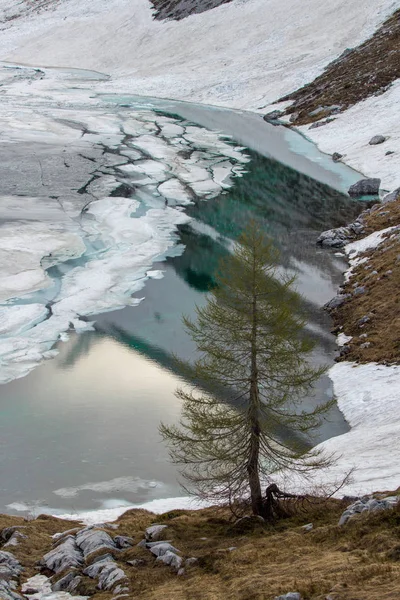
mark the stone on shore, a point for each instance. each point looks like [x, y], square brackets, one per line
[365, 187]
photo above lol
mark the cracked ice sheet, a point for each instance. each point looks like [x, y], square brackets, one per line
[100, 285]
[55, 223]
[22, 248]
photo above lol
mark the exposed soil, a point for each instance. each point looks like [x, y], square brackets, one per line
[179, 9]
[354, 562]
[377, 339]
[357, 74]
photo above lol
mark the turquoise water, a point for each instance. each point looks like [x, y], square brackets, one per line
[81, 431]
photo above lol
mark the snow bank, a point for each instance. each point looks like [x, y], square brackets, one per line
[350, 133]
[368, 396]
[156, 506]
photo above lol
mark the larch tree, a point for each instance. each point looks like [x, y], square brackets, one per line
[251, 342]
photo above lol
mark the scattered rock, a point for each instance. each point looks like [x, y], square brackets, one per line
[155, 533]
[6, 533]
[92, 540]
[307, 527]
[10, 569]
[171, 559]
[289, 596]
[162, 548]
[337, 301]
[392, 197]
[189, 562]
[365, 187]
[65, 556]
[273, 116]
[93, 570]
[137, 562]
[123, 541]
[68, 583]
[360, 289]
[64, 534]
[377, 139]
[109, 576]
[336, 156]
[326, 110]
[8, 560]
[321, 123]
[389, 152]
[181, 572]
[367, 504]
[334, 238]
[120, 589]
[15, 539]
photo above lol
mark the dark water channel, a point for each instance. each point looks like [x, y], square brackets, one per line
[81, 431]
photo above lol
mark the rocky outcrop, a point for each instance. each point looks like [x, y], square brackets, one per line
[10, 570]
[377, 139]
[368, 504]
[365, 187]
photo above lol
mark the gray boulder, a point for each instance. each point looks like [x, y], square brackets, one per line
[7, 593]
[73, 531]
[337, 301]
[289, 596]
[155, 533]
[171, 559]
[95, 568]
[68, 583]
[8, 560]
[392, 197]
[6, 533]
[65, 556]
[136, 562]
[273, 116]
[162, 548]
[110, 576]
[360, 289]
[336, 156]
[123, 541]
[15, 539]
[93, 540]
[334, 238]
[377, 139]
[365, 187]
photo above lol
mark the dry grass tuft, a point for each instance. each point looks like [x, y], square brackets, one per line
[378, 339]
[356, 75]
[356, 562]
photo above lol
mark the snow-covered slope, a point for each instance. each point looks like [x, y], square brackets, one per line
[244, 54]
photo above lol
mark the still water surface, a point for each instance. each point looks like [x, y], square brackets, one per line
[81, 431]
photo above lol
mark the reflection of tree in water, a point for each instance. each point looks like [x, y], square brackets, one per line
[293, 207]
[80, 345]
[183, 369]
[283, 197]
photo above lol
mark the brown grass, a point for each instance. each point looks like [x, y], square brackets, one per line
[364, 71]
[359, 561]
[380, 276]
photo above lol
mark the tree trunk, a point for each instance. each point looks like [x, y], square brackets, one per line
[254, 415]
[252, 470]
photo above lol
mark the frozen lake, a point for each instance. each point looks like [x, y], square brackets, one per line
[114, 212]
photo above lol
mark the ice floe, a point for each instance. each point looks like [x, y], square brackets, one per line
[100, 195]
